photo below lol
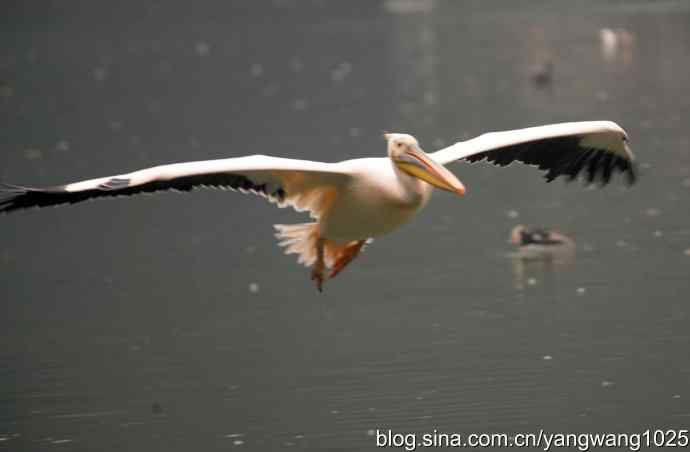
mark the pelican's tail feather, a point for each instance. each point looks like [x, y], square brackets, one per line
[299, 239]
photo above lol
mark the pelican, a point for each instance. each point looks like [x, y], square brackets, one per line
[355, 200]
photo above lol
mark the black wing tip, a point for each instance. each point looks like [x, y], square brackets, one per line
[17, 197]
[10, 195]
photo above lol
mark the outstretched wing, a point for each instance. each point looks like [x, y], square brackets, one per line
[592, 149]
[302, 184]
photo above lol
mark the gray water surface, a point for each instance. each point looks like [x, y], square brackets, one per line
[173, 322]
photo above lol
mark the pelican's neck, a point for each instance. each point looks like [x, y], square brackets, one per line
[414, 191]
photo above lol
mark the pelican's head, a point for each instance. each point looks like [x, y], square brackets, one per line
[405, 152]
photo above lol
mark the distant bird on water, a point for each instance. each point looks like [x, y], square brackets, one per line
[355, 200]
[541, 243]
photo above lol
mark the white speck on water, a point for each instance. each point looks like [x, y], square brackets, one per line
[300, 104]
[335, 412]
[657, 234]
[61, 441]
[234, 435]
[606, 384]
[295, 64]
[652, 212]
[581, 290]
[602, 96]
[256, 70]
[408, 6]
[100, 73]
[371, 432]
[202, 48]
[270, 90]
[62, 145]
[512, 214]
[4, 438]
[33, 154]
[531, 281]
[115, 125]
[355, 132]
[676, 396]
[254, 288]
[547, 357]
[298, 436]
[237, 442]
[341, 71]
[371, 409]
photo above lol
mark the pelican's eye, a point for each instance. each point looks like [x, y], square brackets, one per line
[398, 144]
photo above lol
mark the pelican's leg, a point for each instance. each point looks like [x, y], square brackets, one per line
[346, 256]
[317, 269]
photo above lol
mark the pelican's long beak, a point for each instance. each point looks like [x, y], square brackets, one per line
[417, 163]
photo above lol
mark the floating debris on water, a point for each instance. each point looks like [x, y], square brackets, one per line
[512, 214]
[581, 290]
[531, 281]
[371, 432]
[658, 234]
[234, 435]
[237, 442]
[606, 384]
[676, 396]
[547, 357]
[254, 288]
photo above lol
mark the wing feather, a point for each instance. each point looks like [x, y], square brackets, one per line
[302, 184]
[593, 150]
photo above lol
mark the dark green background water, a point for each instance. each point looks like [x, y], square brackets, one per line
[173, 322]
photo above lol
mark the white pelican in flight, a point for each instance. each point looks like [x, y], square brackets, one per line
[355, 200]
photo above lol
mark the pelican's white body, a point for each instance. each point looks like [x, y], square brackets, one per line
[377, 200]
